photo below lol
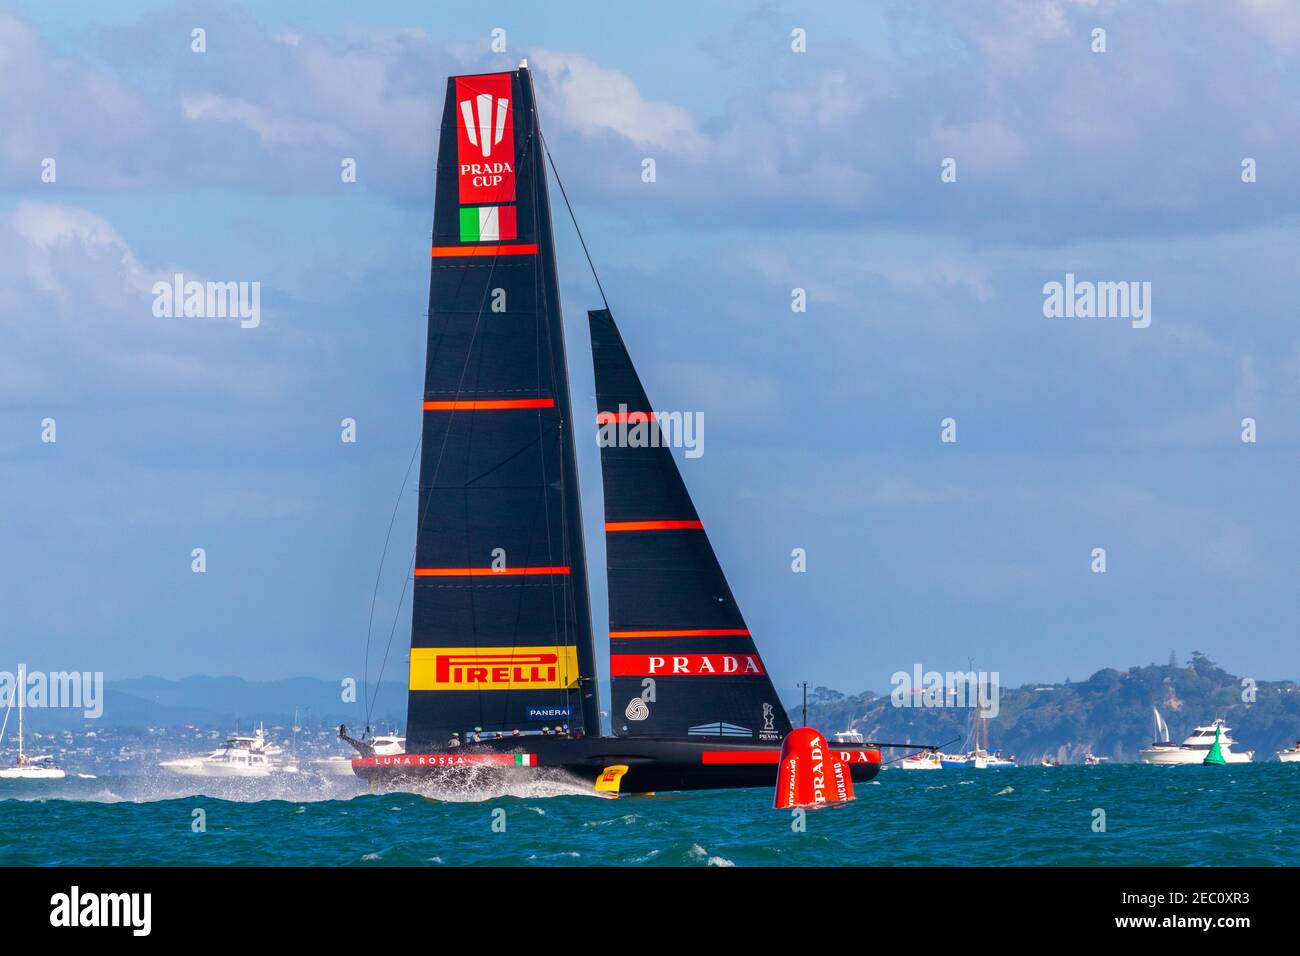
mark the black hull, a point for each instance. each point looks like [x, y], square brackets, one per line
[652, 765]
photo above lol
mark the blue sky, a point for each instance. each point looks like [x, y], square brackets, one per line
[776, 170]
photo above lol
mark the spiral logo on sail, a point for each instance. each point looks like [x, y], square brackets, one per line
[636, 709]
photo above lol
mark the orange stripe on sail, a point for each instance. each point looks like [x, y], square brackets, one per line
[489, 405]
[654, 525]
[486, 572]
[722, 632]
[521, 249]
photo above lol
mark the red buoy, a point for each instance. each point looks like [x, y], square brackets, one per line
[811, 773]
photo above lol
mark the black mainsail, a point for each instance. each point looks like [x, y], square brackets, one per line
[501, 628]
[682, 660]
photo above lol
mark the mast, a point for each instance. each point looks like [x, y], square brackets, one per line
[501, 622]
[22, 702]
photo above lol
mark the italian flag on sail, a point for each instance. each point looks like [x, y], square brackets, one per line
[487, 223]
[525, 760]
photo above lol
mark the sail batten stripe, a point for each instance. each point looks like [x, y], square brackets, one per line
[519, 249]
[654, 525]
[705, 632]
[484, 405]
[488, 572]
[631, 418]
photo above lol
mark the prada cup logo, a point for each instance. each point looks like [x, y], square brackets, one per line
[483, 130]
[636, 709]
[485, 148]
[768, 726]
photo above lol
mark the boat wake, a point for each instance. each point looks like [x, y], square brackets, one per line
[477, 785]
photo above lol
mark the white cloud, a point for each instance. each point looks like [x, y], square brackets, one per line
[79, 319]
[592, 100]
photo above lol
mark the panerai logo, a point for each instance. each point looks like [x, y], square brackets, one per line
[103, 909]
[1098, 300]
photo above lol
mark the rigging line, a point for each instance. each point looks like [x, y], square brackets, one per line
[460, 385]
[374, 597]
[571, 603]
[574, 219]
[545, 342]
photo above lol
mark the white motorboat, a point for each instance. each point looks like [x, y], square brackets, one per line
[925, 760]
[1290, 754]
[849, 736]
[1194, 749]
[28, 766]
[239, 756]
[1091, 760]
[385, 745]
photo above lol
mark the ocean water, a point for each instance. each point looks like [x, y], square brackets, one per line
[1164, 816]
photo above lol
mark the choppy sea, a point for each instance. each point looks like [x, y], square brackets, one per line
[1110, 815]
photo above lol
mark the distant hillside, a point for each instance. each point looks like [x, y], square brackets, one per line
[226, 702]
[1108, 714]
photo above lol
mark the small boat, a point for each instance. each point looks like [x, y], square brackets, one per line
[239, 756]
[925, 760]
[385, 745]
[1161, 744]
[984, 760]
[1047, 761]
[1290, 754]
[1194, 749]
[849, 736]
[28, 766]
[953, 761]
[1089, 760]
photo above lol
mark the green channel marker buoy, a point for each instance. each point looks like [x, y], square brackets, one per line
[1215, 756]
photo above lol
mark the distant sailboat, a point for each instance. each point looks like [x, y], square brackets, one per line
[28, 766]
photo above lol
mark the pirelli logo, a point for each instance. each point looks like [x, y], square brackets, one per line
[494, 668]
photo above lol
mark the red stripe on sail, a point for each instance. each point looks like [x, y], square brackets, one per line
[486, 572]
[739, 756]
[720, 632]
[489, 405]
[654, 525]
[610, 418]
[520, 249]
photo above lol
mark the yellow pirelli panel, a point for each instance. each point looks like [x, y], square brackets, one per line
[494, 668]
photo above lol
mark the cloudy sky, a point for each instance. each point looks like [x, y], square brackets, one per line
[776, 170]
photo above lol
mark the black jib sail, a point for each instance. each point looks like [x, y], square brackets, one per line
[682, 661]
[501, 628]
